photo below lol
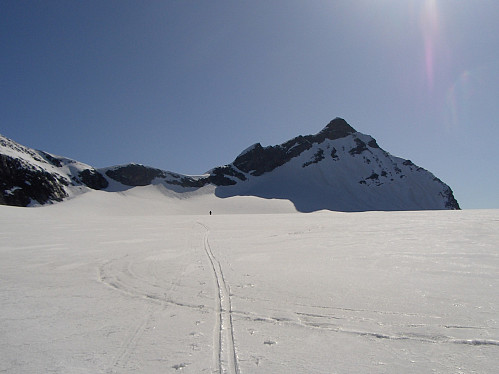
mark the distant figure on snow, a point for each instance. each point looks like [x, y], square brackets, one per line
[210, 212]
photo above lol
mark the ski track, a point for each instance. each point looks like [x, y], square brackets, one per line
[224, 352]
[131, 342]
[324, 323]
[145, 282]
[118, 275]
[111, 274]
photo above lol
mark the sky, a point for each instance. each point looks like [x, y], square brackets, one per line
[187, 85]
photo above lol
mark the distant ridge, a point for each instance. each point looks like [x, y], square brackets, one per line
[336, 169]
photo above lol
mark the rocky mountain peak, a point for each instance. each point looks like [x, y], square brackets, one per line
[336, 129]
[258, 160]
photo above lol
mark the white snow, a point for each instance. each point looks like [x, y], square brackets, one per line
[12, 190]
[130, 283]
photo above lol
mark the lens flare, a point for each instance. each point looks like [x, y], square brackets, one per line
[430, 25]
[471, 100]
[457, 97]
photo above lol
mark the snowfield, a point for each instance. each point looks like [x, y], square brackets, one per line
[139, 282]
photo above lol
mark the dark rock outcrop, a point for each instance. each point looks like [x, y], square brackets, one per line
[53, 160]
[336, 129]
[318, 156]
[218, 176]
[361, 147]
[21, 183]
[135, 174]
[93, 179]
[450, 200]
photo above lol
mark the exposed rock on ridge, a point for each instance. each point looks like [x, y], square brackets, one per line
[135, 175]
[31, 177]
[20, 184]
[261, 160]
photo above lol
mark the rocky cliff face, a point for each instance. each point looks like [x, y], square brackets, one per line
[20, 184]
[31, 177]
[337, 169]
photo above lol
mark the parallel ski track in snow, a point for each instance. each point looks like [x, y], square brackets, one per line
[131, 342]
[118, 274]
[224, 352]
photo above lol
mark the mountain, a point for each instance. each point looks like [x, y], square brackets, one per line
[31, 177]
[336, 169]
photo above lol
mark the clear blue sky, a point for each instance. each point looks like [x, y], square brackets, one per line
[186, 85]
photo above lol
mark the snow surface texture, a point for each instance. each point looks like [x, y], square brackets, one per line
[336, 169]
[125, 284]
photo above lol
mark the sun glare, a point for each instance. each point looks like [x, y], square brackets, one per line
[430, 27]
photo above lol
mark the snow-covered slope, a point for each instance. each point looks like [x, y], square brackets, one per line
[92, 287]
[336, 169]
